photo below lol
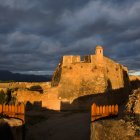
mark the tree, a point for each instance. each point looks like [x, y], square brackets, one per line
[8, 96]
[2, 97]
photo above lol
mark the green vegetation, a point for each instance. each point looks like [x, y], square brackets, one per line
[14, 89]
[36, 88]
[9, 81]
[2, 97]
[7, 98]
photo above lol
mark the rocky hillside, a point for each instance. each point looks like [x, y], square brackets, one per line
[133, 105]
[112, 129]
[126, 126]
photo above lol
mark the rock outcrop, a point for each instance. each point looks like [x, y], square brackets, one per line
[133, 104]
[111, 129]
[126, 126]
[134, 81]
[11, 129]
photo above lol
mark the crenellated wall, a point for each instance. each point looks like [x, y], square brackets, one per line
[74, 78]
[96, 74]
[66, 60]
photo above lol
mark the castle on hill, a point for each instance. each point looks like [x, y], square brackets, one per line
[94, 74]
[74, 79]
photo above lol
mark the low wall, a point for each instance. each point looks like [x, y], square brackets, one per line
[22, 85]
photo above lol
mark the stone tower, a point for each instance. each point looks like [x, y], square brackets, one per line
[99, 54]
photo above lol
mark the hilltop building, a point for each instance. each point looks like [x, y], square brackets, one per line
[74, 79]
[95, 74]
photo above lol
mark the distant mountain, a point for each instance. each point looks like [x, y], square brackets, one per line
[17, 77]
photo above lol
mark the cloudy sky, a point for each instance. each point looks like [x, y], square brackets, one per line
[35, 34]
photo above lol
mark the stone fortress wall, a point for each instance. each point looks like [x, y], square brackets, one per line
[94, 74]
[75, 77]
[23, 85]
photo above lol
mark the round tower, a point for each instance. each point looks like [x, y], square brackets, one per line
[99, 50]
[99, 54]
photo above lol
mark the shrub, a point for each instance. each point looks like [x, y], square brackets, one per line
[14, 89]
[8, 81]
[2, 97]
[8, 96]
[36, 88]
[13, 100]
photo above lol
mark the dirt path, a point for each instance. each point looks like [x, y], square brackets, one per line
[62, 126]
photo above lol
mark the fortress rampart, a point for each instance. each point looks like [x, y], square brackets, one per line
[71, 59]
[94, 74]
[75, 77]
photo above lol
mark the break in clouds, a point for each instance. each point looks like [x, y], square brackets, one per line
[35, 34]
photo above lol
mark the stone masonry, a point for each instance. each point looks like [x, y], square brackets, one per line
[75, 77]
[95, 74]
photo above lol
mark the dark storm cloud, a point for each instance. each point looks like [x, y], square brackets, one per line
[35, 34]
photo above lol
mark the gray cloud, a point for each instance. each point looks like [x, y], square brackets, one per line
[35, 34]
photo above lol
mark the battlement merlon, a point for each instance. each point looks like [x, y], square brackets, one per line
[69, 59]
